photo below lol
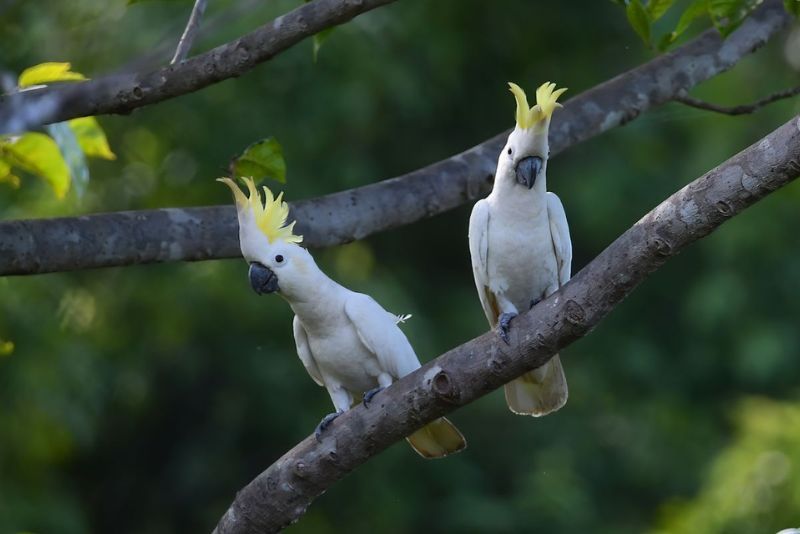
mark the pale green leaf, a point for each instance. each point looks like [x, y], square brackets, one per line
[792, 6]
[263, 159]
[639, 20]
[320, 38]
[91, 138]
[657, 8]
[39, 155]
[696, 9]
[48, 72]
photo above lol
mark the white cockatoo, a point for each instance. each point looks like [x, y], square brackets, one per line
[347, 342]
[520, 246]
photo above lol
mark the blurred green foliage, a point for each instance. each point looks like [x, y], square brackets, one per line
[141, 399]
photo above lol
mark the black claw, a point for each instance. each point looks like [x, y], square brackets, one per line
[503, 325]
[371, 393]
[534, 302]
[325, 423]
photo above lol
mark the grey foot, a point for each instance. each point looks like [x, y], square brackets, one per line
[325, 423]
[534, 302]
[370, 394]
[503, 324]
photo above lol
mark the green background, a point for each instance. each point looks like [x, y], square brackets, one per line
[140, 399]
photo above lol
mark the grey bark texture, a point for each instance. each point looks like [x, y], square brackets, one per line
[192, 234]
[123, 93]
[281, 494]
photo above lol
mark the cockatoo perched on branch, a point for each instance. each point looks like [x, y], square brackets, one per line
[520, 246]
[347, 342]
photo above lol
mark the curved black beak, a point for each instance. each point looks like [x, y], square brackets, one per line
[262, 279]
[528, 169]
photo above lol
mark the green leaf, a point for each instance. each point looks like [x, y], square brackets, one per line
[6, 177]
[657, 8]
[727, 15]
[696, 9]
[320, 38]
[39, 155]
[91, 138]
[639, 20]
[262, 159]
[792, 6]
[6, 347]
[48, 72]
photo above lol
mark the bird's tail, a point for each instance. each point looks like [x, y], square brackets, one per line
[540, 391]
[437, 439]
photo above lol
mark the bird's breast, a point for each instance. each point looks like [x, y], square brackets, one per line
[521, 259]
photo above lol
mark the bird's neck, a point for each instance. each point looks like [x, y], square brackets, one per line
[318, 299]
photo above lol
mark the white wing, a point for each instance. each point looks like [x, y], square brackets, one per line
[378, 331]
[304, 351]
[559, 230]
[479, 251]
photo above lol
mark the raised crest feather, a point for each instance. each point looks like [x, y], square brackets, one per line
[270, 217]
[546, 102]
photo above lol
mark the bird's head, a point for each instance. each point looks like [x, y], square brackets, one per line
[525, 155]
[277, 262]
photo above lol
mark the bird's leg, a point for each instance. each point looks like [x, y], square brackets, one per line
[503, 325]
[325, 423]
[534, 302]
[371, 393]
[384, 381]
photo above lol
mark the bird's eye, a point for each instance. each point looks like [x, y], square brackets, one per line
[279, 258]
[509, 151]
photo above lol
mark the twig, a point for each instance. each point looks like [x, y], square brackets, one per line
[282, 493]
[122, 93]
[191, 234]
[187, 39]
[743, 109]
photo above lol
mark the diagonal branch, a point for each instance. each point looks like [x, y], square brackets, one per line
[187, 39]
[123, 93]
[282, 493]
[743, 109]
[192, 234]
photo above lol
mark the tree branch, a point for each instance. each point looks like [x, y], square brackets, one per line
[281, 494]
[743, 109]
[123, 93]
[187, 39]
[192, 234]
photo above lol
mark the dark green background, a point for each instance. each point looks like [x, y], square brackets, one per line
[140, 399]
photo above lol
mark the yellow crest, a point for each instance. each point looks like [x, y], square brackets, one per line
[546, 102]
[270, 216]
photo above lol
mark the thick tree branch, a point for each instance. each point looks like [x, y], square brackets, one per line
[123, 93]
[187, 39]
[743, 109]
[191, 234]
[282, 493]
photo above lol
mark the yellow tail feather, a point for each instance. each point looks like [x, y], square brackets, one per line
[438, 439]
[539, 392]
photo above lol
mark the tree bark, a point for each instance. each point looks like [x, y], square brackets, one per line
[192, 234]
[281, 494]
